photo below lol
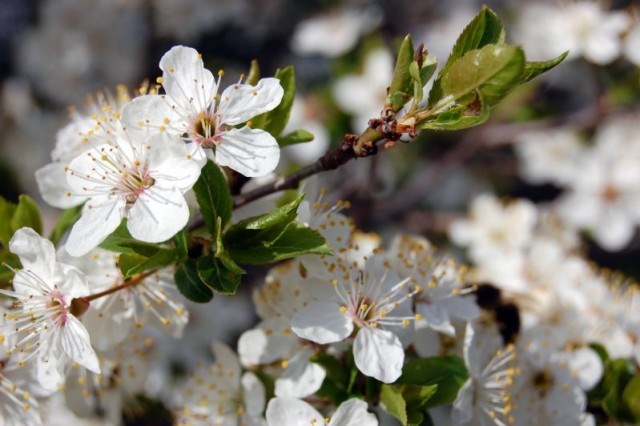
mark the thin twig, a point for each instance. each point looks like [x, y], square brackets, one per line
[126, 283]
[353, 147]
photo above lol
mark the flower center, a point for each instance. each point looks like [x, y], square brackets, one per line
[543, 382]
[610, 194]
[135, 182]
[202, 129]
[58, 304]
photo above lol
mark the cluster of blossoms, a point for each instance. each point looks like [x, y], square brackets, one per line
[600, 178]
[135, 159]
[565, 306]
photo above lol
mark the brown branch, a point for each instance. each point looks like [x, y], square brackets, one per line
[352, 147]
[126, 283]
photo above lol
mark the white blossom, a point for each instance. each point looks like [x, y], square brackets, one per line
[43, 316]
[335, 33]
[189, 107]
[143, 182]
[372, 305]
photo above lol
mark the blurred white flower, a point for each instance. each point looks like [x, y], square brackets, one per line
[603, 195]
[442, 297]
[548, 155]
[584, 28]
[631, 46]
[221, 394]
[189, 107]
[75, 50]
[495, 229]
[186, 20]
[306, 114]
[363, 95]
[335, 33]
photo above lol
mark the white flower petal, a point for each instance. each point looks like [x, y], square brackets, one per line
[169, 163]
[322, 322]
[53, 186]
[227, 359]
[75, 342]
[292, 412]
[185, 79]
[36, 253]
[150, 114]
[353, 412]
[587, 366]
[301, 378]
[266, 343]
[74, 283]
[378, 354]
[437, 318]
[241, 102]
[253, 393]
[158, 214]
[49, 367]
[463, 404]
[100, 217]
[251, 152]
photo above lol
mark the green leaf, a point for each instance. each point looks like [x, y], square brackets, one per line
[393, 402]
[484, 29]
[275, 121]
[295, 137]
[254, 73]
[414, 72]
[334, 368]
[493, 71]
[283, 214]
[6, 274]
[296, 240]
[419, 396]
[427, 70]
[27, 214]
[121, 241]
[534, 69]
[132, 264]
[181, 243]
[189, 283]
[7, 209]
[214, 273]
[461, 117]
[65, 221]
[447, 372]
[401, 81]
[617, 374]
[213, 196]
[631, 396]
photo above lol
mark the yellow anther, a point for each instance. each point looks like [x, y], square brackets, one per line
[343, 309]
[159, 80]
